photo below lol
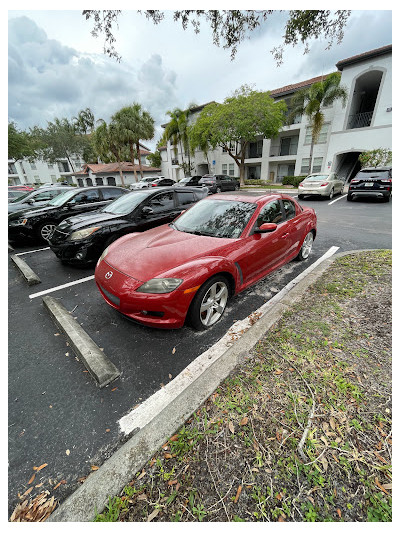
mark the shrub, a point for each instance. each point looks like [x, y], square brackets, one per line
[292, 180]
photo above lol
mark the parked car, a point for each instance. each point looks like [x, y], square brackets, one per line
[20, 188]
[162, 182]
[189, 181]
[371, 182]
[189, 268]
[321, 184]
[38, 198]
[217, 183]
[82, 238]
[41, 222]
[12, 195]
[143, 183]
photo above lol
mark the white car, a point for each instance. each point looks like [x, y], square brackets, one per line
[143, 183]
[321, 184]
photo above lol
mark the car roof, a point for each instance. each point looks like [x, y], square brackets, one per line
[369, 169]
[251, 199]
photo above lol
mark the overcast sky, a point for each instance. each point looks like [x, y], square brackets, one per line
[56, 68]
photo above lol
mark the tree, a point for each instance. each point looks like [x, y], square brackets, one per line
[380, 157]
[84, 122]
[176, 131]
[231, 27]
[20, 144]
[155, 159]
[134, 125]
[241, 119]
[310, 101]
[109, 144]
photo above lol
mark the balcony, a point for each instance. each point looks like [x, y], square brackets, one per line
[360, 120]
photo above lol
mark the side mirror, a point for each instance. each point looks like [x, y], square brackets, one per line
[266, 228]
[146, 210]
[30, 201]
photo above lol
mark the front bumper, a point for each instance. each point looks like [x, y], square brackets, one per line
[166, 311]
[79, 252]
[16, 233]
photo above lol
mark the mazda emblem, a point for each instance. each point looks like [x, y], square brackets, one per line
[108, 275]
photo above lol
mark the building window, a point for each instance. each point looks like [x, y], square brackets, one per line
[33, 166]
[304, 165]
[289, 146]
[255, 149]
[231, 169]
[12, 168]
[37, 179]
[63, 166]
[224, 168]
[322, 138]
[317, 164]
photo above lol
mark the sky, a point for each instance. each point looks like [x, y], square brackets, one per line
[57, 68]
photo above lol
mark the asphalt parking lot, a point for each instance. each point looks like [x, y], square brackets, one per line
[57, 415]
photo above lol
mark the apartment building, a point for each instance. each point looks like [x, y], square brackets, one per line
[365, 123]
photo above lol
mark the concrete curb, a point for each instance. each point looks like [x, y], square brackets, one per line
[26, 270]
[159, 417]
[97, 363]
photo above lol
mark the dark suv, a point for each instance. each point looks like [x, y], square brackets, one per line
[41, 222]
[219, 183]
[375, 182]
[83, 238]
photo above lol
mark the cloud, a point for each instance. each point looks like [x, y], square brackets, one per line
[48, 80]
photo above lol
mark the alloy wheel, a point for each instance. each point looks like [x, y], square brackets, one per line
[47, 231]
[213, 303]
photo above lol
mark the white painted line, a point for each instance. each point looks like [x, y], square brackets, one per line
[33, 251]
[82, 280]
[337, 199]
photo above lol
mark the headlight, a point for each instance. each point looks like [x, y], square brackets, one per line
[160, 285]
[103, 255]
[83, 233]
[18, 222]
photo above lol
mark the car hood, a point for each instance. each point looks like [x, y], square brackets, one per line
[22, 206]
[86, 219]
[36, 211]
[144, 256]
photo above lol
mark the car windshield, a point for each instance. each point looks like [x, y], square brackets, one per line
[25, 195]
[61, 198]
[216, 218]
[318, 177]
[126, 203]
[184, 180]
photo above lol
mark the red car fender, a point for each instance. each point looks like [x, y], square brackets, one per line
[198, 271]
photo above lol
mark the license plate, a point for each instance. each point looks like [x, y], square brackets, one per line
[368, 184]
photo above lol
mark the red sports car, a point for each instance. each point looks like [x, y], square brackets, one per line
[188, 269]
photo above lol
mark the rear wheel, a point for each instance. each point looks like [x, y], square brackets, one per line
[219, 189]
[306, 247]
[301, 196]
[209, 303]
[387, 198]
[349, 198]
[331, 194]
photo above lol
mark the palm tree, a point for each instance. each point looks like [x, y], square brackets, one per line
[109, 145]
[84, 122]
[135, 124]
[177, 132]
[311, 100]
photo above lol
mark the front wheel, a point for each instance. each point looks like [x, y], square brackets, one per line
[306, 247]
[219, 190]
[237, 187]
[46, 230]
[209, 303]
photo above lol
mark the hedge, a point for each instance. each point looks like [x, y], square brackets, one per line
[292, 180]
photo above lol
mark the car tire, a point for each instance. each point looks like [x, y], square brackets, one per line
[342, 190]
[331, 194]
[219, 190]
[45, 230]
[387, 198]
[300, 196]
[209, 303]
[237, 187]
[349, 198]
[306, 247]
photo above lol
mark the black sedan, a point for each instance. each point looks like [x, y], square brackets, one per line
[41, 222]
[82, 239]
[219, 183]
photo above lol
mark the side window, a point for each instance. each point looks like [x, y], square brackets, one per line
[46, 195]
[86, 197]
[290, 210]
[110, 194]
[185, 198]
[272, 212]
[162, 202]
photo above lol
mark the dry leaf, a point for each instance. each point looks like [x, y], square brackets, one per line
[231, 427]
[278, 372]
[244, 421]
[142, 475]
[67, 452]
[40, 467]
[94, 467]
[332, 423]
[324, 463]
[339, 512]
[28, 491]
[115, 388]
[174, 350]
[238, 494]
[174, 438]
[167, 456]
[153, 515]
[380, 486]
[32, 478]
[107, 430]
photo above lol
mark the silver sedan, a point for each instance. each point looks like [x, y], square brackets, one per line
[322, 184]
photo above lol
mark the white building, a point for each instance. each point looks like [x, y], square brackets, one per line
[363, 124]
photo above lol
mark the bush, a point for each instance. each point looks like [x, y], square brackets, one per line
[292, 180]
[256, 182]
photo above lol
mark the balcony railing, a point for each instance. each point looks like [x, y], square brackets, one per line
[360, 120]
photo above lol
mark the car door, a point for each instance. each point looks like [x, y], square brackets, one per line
[184, 199]
[294, 226]
[83, 202]
[162, 210]
[266, 250]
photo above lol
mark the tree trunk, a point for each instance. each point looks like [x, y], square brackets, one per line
[311, 156]
[140, 161]
[133, 160]
[120, 173]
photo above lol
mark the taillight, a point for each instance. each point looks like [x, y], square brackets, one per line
[386, 181]
[301, 185]
[354, 181]
[324, 184]
[154, 184]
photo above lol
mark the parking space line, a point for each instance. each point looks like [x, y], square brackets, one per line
[47, 291]
[337, 199]
[33, 251]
